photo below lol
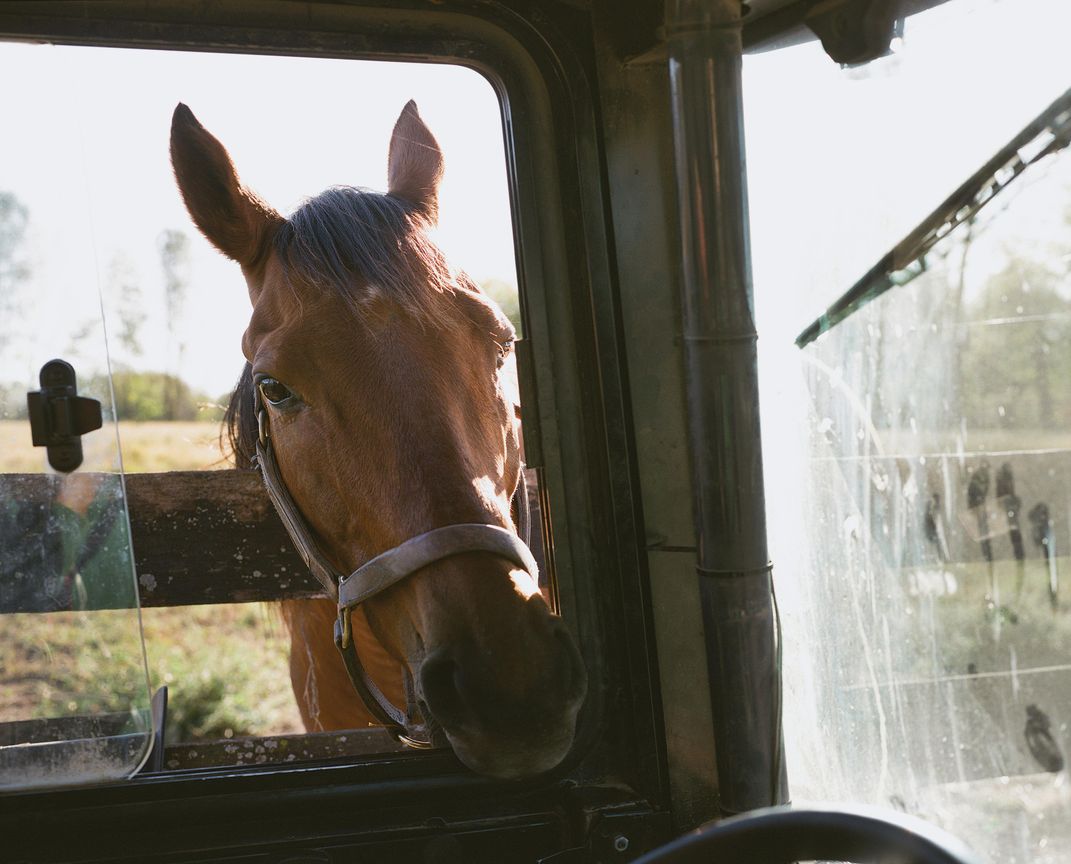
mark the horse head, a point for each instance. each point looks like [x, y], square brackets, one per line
[383, 376]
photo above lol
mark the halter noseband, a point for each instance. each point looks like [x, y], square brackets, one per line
[383, 571]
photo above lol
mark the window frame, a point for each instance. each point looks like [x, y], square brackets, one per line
[575, 384]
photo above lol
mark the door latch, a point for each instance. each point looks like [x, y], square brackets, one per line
[59, 417]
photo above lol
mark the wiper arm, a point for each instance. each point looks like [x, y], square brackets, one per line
[1046, 134]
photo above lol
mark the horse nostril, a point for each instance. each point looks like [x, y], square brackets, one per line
[440, 687]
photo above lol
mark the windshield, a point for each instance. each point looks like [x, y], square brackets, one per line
[919, 470]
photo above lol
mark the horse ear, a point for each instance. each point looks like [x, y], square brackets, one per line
[415, 163]
[233, 219]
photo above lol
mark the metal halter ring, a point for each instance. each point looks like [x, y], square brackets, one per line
[262, 424]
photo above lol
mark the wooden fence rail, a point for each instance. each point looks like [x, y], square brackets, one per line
[211, 537]
[198, 537]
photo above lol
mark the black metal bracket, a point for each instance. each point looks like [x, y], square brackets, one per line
[854, 32]
[59, 417]
[616, 837]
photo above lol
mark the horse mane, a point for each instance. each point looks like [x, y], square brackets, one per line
[240, 422]
[344, 240]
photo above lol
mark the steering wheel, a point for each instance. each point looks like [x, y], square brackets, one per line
[782, 835]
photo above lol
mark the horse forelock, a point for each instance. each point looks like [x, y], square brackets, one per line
[352, 241]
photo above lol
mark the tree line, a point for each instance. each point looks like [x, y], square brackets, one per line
[139, 396]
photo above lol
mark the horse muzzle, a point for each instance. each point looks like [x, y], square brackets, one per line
[502, 722]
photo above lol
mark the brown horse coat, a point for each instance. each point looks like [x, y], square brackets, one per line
[391, 414]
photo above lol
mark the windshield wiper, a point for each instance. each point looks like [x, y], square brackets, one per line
[1048, 133]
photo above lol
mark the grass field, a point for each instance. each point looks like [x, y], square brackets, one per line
[152, 446]
[226, 666]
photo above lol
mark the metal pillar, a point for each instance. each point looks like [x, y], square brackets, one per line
[704, 47]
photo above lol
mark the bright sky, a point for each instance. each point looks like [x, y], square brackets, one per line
[85, 148]
[843, 163]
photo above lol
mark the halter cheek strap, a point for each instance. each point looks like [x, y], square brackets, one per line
[383, 571]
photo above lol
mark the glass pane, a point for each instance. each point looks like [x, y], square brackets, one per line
[74, 701]
[918, 453]
[936, 628]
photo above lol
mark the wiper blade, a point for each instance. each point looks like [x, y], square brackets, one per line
[1046, 134]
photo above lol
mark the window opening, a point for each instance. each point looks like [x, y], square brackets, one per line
[176, 311]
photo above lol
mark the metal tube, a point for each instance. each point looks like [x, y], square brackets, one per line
[736, 589]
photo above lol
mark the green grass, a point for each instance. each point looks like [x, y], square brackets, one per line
[979, 626]
[226, 668]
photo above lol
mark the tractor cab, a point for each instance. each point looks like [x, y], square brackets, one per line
[789, 318]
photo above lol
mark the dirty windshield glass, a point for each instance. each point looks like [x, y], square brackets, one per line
[920, 494]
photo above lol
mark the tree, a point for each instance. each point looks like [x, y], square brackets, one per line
[143, 395]
[14, 265]
[174, 249]
[505, 295]
[124, 291]
[122, 300]
[1014, 365]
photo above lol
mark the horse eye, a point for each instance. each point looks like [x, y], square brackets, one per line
[274, 392]
[504, 348]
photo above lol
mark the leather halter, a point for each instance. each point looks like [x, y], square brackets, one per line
[383, 571]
